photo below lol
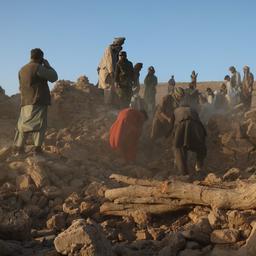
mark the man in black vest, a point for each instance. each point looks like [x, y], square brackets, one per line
[189, 134]
[35, 98]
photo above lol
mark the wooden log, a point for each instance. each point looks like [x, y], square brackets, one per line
[242, 197]
[109, 208]
[148, 200]
[134, 181]
[134, 191]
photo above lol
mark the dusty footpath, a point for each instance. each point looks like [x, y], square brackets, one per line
[80, 198]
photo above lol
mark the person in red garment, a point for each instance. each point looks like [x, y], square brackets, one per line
[126, 131]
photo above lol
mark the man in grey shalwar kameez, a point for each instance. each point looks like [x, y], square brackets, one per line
[35, 98]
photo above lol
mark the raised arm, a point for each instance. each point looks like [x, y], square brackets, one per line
[46, 72]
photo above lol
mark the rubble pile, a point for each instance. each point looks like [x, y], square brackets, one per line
[63, 202]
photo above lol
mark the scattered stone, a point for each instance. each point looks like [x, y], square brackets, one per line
[217, 218]
[172, 244]
[211, 178]
[57, 222]
[15, 225]
[232, 174]
[23, 182]
[72, 204]
[224, 236]
[51, 192]
[235, 219]
[199, 232]
[143, 235]
[84, 236]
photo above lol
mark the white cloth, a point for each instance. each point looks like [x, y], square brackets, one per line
[106, 68]
[233, 95]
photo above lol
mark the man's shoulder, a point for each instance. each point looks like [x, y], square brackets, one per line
[29, 65]
[129, 63]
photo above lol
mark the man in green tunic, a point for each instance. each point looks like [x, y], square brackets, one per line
[35, 98]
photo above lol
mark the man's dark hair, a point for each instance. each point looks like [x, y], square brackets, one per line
[36, 54]
[123, 53]
[227, 78]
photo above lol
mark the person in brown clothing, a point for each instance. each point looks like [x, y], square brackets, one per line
[162, 119]
[150, 83]
[189, 134]
[35, 99]
[247, 87]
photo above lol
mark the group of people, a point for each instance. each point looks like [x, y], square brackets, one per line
[180, 113]
[120, 79]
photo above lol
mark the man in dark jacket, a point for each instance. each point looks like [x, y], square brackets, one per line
[189, 134]
[35, 98]
[124, 77]
[150, 83]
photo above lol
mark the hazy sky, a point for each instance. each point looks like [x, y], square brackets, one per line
[175, 36]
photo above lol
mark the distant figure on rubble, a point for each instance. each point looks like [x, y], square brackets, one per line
[233, 94]
[220, 100]
[150, 83]
[235, 79]
[106, 69]
[206, 106]
[194, 77]
[136, 101]
[189, 135]
[192, 96]
[162, 120]
[209, 95]
[35, 98]
[171, 84]
[124, 77]
[126, 131]
[247, 87]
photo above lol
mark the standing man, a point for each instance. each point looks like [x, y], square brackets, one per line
[150, 83]
[124, 77]
[171, 84]
[247, 87]
[106, 68]
[193, 77]
[35, 98]
[235, 79]
[192, 96]
[233, 94]
[189, 135]
[136, 101]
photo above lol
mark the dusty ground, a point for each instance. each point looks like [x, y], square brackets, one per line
[41, 196]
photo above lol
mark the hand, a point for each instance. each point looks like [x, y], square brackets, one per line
[46, 63]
